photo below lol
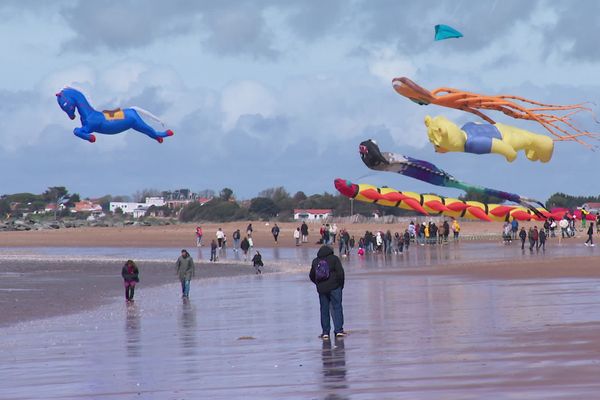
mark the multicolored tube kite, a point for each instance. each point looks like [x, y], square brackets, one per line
[430, 204]
[428, 172]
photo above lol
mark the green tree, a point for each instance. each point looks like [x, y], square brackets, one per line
[226, 194]
[263, 207]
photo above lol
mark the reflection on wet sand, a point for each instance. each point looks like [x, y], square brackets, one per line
[133, 329]
[333, 356]
[188, 345]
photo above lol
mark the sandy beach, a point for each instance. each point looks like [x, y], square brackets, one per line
[183, 235]
[468, 320]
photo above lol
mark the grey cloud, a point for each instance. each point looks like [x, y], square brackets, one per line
[577, 24]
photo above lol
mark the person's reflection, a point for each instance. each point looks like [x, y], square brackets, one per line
[199, 254]
[276, 253]
[187, 335]
[132, 330]
[334, 368]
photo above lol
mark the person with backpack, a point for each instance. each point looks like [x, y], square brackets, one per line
[327, 274]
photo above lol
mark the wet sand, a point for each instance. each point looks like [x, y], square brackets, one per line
[433, 323]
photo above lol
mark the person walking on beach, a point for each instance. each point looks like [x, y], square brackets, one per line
[522, 236]
[245, 246]
[198, 236]
[236, 240]
[304, 232]
[257, 262]
[327, 274]
[543, 235]
[590, 233]
[275, 232]
[130, 274]
[249, 230]
[213, 251]
[220, 237]
[185, 271]
[514, 227]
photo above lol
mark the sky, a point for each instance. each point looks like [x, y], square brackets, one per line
[267, 93]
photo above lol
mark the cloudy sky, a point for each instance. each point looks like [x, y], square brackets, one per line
[264, 93]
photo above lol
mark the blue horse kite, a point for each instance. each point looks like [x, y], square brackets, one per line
[108, 122]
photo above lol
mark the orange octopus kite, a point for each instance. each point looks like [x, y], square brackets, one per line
[558, 125]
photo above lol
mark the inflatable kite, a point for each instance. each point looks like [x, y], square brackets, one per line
[486, 138]
[446, 32]
[555, 119]
[108, 122]
[428, 172]
[430, 204]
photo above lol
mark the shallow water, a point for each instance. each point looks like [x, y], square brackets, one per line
[255, 337]
[450, 253]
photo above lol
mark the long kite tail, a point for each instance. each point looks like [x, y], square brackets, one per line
[148, 114]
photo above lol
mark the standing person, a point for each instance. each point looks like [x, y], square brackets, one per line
[455, 228]
[327, 274]
[275, 232]
[598, 222]
[333, 229]
[590, 233]
[297, 236]
[563, 224]
[198, 236]
[236, 240]
[446, 231]
[304, 232]
[406, 239]
[185, 271]
[543, 237]
[514, 228]
[213, 251]
[257, 262]
[249, 230]
[351, 243]
[245, 246]
[522, 236]
[220, 237]
[130, 274]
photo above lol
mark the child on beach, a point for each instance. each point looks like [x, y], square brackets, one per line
[257, 262]
[130, 274]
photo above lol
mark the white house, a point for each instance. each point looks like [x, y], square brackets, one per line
[312, 214]
[136, 209]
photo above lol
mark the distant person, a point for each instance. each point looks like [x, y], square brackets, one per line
[220, 238]
[131, 276]
[213, 251]
[564, 225]
[514, 228]
[327, 274]
[236, 240]
[249, 230]
[590, 233]
[523, 237]
[257, 262]
[185, 271]
[304, 232]
[297, 236]
[245, 246]
[198, 236]
[543, 235]
[275, 233]
[446, 230]
[455, 228]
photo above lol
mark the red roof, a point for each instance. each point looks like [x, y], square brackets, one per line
[593, 205]
[313, 211]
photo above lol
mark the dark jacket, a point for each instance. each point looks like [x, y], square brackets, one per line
[130, 276]
[336, 271]
[245, 245]
[257, 260]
